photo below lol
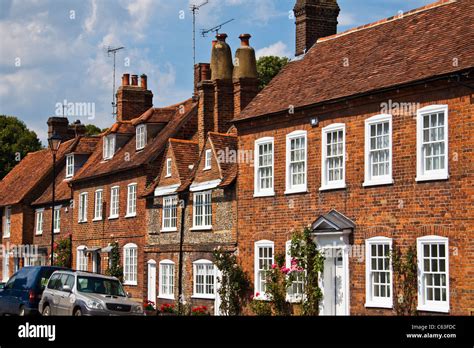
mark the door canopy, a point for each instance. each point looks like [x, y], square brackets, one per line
[332, 223]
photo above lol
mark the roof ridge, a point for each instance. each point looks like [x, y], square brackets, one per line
[388, 20]
[183, 141]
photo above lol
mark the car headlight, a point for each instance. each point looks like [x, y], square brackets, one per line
[94, 305]
[137, 309]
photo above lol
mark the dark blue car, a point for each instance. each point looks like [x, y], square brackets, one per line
[22, 293]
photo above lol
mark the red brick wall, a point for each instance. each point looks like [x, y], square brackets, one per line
[405, 210]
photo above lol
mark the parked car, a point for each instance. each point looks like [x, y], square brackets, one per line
[22, 293]
[82, 293]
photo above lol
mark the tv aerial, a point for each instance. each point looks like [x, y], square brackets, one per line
[194, 10]
[215, 29]
[114, 50]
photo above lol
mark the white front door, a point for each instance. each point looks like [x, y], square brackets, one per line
[152, 281]
[333, 284]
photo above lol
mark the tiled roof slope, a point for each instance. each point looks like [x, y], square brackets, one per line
[225, 144]
[85, 146]
[27, 174]
[416, 46]
[186, 154]
[96, 166]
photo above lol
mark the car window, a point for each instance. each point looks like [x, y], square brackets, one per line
[100, 286]
[52, 284]
[9, 284]
[70, 281]
[62, 281]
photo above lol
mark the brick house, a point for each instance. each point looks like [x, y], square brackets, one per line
[107, 190]
[192, 203]
[28, 181]
[368, 140]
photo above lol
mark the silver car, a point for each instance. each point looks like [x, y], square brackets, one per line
[82, 293]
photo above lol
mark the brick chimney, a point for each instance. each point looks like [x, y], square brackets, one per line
[61, 127]
[133, 99]
[202, 72]
[245, 75]
[314, 19]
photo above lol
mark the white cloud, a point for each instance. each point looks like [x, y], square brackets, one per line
[90, 21]
[279, 49]
[347, 19]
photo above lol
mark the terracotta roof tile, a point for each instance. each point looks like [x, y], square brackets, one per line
[400, 50]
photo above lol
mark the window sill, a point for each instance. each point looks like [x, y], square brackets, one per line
[263, 194]
[379, 305]
[166, 297]
[130, 283]
[206, 169]
[433, 177]
[167, 176]
[36, 234]
[295, 191]
[204, 297]
[113, 217]
[82, 222]
[433, 308]
[95, 220]
[378, 182]
[57, 232]
[201, 228]
[333, 187]
[168, 230]
[292, 299]
[130, 216]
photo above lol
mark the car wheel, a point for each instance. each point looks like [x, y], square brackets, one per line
[22, 311]
[78, 312]
[46, 311]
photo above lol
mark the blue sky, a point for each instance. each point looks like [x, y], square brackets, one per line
[54, 50]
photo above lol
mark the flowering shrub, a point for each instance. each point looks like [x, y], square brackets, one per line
[63, 252]
[234, 286]
[260, 307]
[149, 306]
[200, 311]
[167, 308]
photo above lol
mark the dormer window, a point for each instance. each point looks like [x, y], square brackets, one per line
[168, 167]
[208, 160]
[109, 146]
[141, 137]
[69, 166]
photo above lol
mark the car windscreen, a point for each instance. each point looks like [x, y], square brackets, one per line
[103, 286]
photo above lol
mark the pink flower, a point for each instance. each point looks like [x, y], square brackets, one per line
[274, 266]
[285, 270]
[257, 294]
[294, 262]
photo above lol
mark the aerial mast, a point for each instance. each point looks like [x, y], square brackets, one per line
[194, 10]
[114, 50]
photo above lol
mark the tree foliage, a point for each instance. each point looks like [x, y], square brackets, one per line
[92, 130]
[268, 67]
[115, 270]
[405, 270]
[16, 140]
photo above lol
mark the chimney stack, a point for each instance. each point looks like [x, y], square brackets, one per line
[133, 100]
[202, 72]
[314, 19]
[245, 75]
[61, 127]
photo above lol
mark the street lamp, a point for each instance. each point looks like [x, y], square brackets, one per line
[54, 142]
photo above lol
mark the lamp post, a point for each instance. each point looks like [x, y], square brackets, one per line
[54, 142]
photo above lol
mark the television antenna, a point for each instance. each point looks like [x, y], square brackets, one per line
[215, 29]
[194, 10]
[114, 50]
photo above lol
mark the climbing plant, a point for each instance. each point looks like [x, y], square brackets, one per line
[115, 270]
[63, 252]
[234, 287]
[405, 280]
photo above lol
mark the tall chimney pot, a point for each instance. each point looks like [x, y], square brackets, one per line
[144, 81]
[245, 40]
[134, 80]
[126, 79]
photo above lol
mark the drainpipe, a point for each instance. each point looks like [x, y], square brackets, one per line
[183, 202]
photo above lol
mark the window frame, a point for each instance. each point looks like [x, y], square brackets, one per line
[112, 208]
[169, 170]
[205, 202]
[421, 173]
[39, 232]
[132, 203]
[423, 304]
[258, 191]
[257, 284]
[167, 295]
[141, 137]
[173, 199]
[370, 300]
[8, 222]
[369, 180]
[69, 166]
[290, 188]
[82, 211]
[57, 229]
[204, 263]
[80, 257]
[130, 277]
[208, 159]
[98, 217]
[108, 149]
[291, 296]
[339, 184]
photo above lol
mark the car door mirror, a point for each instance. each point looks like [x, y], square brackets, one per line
[129, 294]
[67, 288]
